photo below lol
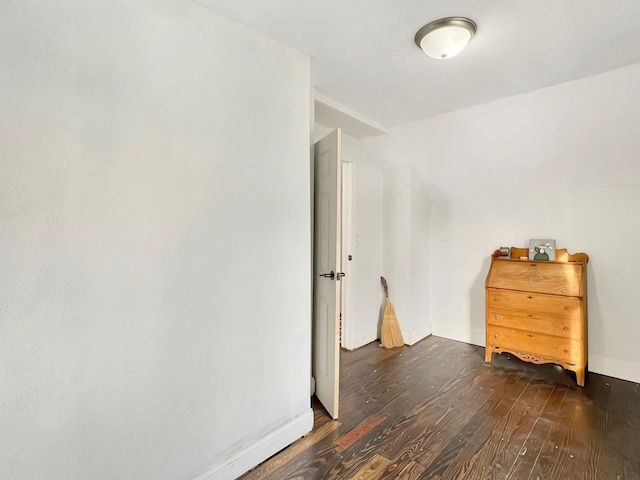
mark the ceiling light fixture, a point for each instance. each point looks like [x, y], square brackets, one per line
[446, 37]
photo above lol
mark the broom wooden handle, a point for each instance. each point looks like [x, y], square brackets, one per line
[384, 285]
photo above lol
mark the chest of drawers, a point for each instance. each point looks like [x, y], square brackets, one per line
[537, 310]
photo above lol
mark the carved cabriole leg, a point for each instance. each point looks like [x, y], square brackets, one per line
[580, 376]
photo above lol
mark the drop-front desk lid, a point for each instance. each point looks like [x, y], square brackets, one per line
[556, 278]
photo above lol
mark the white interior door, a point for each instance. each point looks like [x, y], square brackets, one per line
[327, 269]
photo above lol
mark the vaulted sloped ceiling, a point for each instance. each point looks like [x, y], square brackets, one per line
[364, 58]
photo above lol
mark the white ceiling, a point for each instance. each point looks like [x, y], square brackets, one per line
[363, 55]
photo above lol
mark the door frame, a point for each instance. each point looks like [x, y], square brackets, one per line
[347, 339]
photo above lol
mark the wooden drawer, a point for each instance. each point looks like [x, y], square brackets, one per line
[557, 278]
[528, 343]
[557, 305]
[535, 322]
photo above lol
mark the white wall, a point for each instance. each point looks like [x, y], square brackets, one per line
[154, 197]
[366, 266]
[601, 222]
[574, 135]
[397, 242]
[406, 250]
[420, 260]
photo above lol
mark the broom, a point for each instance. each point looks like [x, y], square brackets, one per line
[390, 334]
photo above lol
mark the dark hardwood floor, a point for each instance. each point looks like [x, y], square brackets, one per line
[436, 410]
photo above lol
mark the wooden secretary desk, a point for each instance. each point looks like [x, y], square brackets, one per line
[537, 310]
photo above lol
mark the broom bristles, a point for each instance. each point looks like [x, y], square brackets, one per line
[390, 334]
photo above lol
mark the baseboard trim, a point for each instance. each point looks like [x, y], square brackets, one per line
[414, 337]
[614, 367]
[410, 338]
[366, 338]
[460, 334]
[248, 457]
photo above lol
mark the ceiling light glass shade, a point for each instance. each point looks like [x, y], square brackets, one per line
[446, 37]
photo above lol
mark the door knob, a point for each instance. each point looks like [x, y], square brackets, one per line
[339, 275]
[330, 275]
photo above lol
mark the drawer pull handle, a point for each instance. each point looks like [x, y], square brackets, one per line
[497, 336]
[566, 307]
[529, 297]
[495, 299]
[566, 327]
[571, 364]
[566, 351]
[497, 316]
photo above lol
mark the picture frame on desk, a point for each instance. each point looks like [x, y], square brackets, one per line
[542, 249]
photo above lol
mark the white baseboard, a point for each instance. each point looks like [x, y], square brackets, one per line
[611, 367]
[365, 338]
[615, 367]
[460, 334]
[412, 338]
[248, 457]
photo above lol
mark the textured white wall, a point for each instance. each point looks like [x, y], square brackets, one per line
[406, 250]
[396, 214]
[154, 199]
[421, 210]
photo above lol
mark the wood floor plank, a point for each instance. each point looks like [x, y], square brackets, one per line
[524, 463]
[563, 452]
[624, 417]
[386, 431]
[296, 451]
[497, 443]
[437, 432]
[521, 422]
[591, 426]
[466, 455]
[372, 469]
[622, 434]
[404, 468]
[357, 433]
[412, 471]
[406, 410]
[376, 383]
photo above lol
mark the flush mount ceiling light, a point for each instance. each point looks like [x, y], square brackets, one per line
[446, 37]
